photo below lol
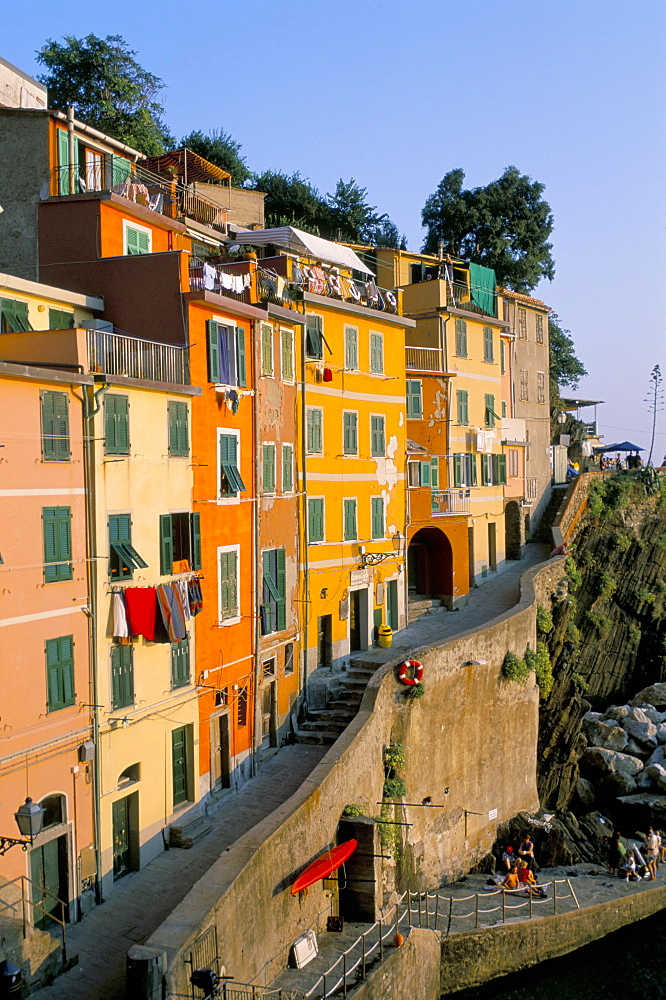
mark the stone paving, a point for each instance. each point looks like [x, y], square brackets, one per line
[141, 901]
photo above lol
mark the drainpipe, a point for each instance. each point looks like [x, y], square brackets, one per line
[256, 518]
[305, 606]
[444, 350]
[91, 406]
[70, 147]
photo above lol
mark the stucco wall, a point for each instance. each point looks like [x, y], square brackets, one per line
[409, 971]
[468, 720]
[24, 168]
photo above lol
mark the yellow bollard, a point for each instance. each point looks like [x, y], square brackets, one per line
[385, 633]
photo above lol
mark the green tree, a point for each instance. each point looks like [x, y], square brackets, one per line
[108, 88]
[353, 220]
[655, 398]
[219, 148]
[292, 201]
[504, 225]
[565, 368]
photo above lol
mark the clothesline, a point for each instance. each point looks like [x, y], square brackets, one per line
[159, 614]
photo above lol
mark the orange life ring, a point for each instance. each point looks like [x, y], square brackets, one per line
[417, 672]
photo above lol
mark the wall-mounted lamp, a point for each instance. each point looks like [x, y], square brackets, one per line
[29, 819]
[475, 663]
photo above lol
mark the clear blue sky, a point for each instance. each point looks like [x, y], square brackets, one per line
[397, 92]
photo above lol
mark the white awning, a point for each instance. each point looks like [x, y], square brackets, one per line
[301, 242]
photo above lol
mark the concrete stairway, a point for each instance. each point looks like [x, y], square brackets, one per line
[324, 725]
[420, 606]
[186, 835]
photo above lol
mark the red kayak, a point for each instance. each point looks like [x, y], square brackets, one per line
[324, 866]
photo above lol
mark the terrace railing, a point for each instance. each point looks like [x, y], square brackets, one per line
[118, 354]
[424, 359]
[232, 280]
[450, 501]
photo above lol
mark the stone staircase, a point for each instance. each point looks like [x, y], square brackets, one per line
[324, 725]
[186, 835]
[420, 607]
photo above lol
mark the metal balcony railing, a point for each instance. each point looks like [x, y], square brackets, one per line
[195, 206]
[424, 359]
[232, 280]
[459, 295]
[118, 354]
[451, 501]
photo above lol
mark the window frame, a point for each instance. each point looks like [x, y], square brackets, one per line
[60, 566]
[268, 484]
[488, 345]
[376, 347]
[130, 224]
[540, 337]
[273, 591]
[231, 619]
[116, 419]
[65, 682]
[351, 348]
[462, 406]
[489, 405]
[322, 514]
[514, 464]
[314, 338]
[287, 338]
[122, 652]
[266, 335]
[178, 429]
[413, 414]
[56, 444]
[181, 667]
[287, 484]
[541, 387]
[167, 541]
[461, 338]
[524, 385]
[127, 556]
[309, 430]
[237, 336]
[522, 323]
[374, 505]
[233, 475]
[345, 429]
[375, 451]
[353, 537]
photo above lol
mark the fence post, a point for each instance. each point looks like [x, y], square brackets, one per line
[362, 956]
[344, 973]
[530, 892]
[420, 920]
[503, 906]
[476, 912]
[427, 915]
[450, 912]
[436, 909]
[381, 940]
[323, 983]
[554, 896]
[409, 907]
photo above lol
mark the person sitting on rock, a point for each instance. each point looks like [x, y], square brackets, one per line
[629, 868]
[508, 858]
[510, 880]
[526, 852]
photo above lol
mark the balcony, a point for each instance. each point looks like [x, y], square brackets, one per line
[424, 296]
[124, 178]
[450, 501]
[233, 280]
[118, 354]
[424, 359]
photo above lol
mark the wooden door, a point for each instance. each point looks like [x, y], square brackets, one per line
[48, 872]
[122, 854]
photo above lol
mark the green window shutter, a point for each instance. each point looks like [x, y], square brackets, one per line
[121, 170]
[213, 351]
[376, 353]
[166, 544]
[461, 338]
[179, 764]
[501, 470]
[266, 349]
[457, 470]
[485, 470]
[281, 584]
[60, 320]
[488, 352]
[287, 344]
[60, 672]
[122, 676]
[490, 411]
[414, 401]
[502, 357]
[55, 426]
[195, 541]
[268, 478]
[425, 474]
[57, 533]
[228, 585]
[63, 162]
[116, 425]
[180, 663]
[14, 316]
[463, 406]
[138, 242]
[350, 526]
[434, 473]
[241, 361]
[377, 517]
[313, 337]
[350, 433]
[178, 430]
[314, 443]
[351, 348]
[473, 470]
[316, 520]
[121, 562]
[287, 468]
[49, 531]
[377, 436]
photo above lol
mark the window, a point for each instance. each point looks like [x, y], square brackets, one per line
[268, 468]
[274, 592]
[230, 480]
[180, 764]
[461, 338]
[287, 468]
[287, 357]
[502, 357]
[377, 517]
[541, 387]
[434, 483]
[316, 519]
[522, 324]
[490, 411]
[314, 441]
[137, 239]
[513, 463]
[351, 348]
[503, 408]
[266, 349]
[57, 533]
[464, 470]
[55, 426]
[228, 584]
[60, 672]
[61, 320]
[288, 658]
[14, 316]
[350, 432]
[242, 707]
[418, 473]
[268, 668]
[116, 425]
[122, 676]
[377, 353]
[524, 386]
[493, 470]
[226, 354]
[180, 540]
[180, 663]
[123, 557]
[462, 398]
[350, 527]
[539, 328]
[488, 350]
[414, 398]
[179, 444]
[314, 338]
[377, 436]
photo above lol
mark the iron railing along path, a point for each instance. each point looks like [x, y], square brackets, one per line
[25, 902]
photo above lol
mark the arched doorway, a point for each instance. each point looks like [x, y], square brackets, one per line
[430, 564]
[513, 541]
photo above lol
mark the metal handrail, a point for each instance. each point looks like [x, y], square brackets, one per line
[23, 879]
[119, 354]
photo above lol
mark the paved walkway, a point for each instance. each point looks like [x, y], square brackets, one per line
[142, 901]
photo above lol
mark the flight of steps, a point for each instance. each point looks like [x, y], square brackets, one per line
[420, 606]
[324, 725]
[186, 835]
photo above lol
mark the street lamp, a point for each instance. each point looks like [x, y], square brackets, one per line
[30, 819]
